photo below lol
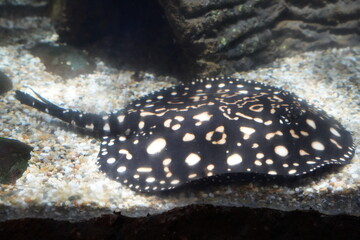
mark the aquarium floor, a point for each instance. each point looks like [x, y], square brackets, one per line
[63, 182]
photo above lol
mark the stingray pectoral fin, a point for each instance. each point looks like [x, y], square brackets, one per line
[221, 129]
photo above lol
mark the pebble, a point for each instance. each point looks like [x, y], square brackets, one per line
[66, 146]
[339, 189]
[47, 149]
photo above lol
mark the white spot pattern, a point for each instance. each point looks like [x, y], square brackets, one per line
[156, 146]
[192, 159]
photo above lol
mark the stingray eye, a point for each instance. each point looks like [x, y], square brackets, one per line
[291, 114]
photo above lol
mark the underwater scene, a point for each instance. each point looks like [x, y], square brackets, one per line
[228, 103]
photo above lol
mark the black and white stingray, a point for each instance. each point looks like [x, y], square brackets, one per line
[209, 127]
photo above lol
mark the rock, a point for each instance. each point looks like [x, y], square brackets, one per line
[20, 8]
[226, 36]
[14, 156]
[192, 222]
[5, 83]
[24, 21]
[65, 61]
[128, 34]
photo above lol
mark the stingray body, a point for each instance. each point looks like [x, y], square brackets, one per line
[209, 127]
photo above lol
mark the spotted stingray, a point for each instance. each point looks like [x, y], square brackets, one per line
[206, 128]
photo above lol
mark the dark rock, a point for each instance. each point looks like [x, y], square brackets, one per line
[192, 222]
[23, 22]
[5, 83]
[14, 156]
[15, 8]
[132, 35]
[65, 61]
[225, 36]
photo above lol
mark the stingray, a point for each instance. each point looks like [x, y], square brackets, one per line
[211, 127]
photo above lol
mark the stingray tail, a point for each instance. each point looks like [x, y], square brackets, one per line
[95, 123]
